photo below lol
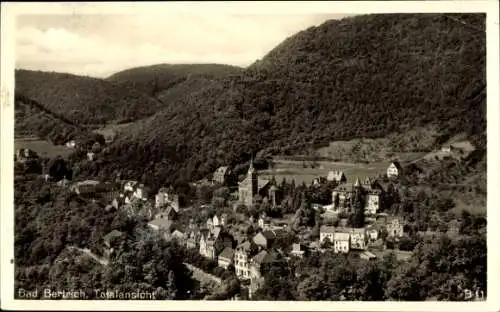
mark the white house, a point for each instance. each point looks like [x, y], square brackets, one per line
[394, 227]
[394, 169]
[372, 202]
[446, 149]
[341, 242]
[241, 260]
[215, 221]
[337, 176]
[358, 238]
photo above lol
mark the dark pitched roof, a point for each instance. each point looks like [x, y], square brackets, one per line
[170, 209]
[397, 164]
[268, 234]
[263, 257]
[262, 183]
[227, 253]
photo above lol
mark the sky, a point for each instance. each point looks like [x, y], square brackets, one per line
[101, 44]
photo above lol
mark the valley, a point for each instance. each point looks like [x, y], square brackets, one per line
[348, 163]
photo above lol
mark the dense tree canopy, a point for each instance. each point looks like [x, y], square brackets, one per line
[53, 228]
[366, 76]
[33, 119]
[84, 100]
[170, 81]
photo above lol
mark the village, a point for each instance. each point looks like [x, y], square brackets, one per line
[241, 242]
[328, 157]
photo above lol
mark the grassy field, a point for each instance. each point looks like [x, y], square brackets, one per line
[395, 146]
[290, 169]
[43, 148]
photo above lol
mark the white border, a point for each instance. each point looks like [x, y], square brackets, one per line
[10, 10]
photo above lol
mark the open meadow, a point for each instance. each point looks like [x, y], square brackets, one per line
[43, 148]
[291, 169]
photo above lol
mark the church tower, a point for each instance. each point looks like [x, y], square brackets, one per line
[356, 185]
[252, 175]
[249, 187]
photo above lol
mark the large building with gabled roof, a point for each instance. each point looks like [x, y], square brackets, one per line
[370, 189]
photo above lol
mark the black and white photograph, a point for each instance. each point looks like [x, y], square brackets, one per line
[211, 152]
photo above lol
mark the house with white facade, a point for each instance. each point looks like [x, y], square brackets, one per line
[337, 176]
[394, 169]
[243, 253]
[341, 242]
[358, 238]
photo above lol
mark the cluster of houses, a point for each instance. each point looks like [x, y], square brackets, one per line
[130, 196]
[92, 151]
[343, 239]
[250, 256]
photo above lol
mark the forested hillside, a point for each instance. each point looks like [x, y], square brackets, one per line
[52, 224]
[366, 76]
[85, 100]
[153, 80]
[33, 119]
